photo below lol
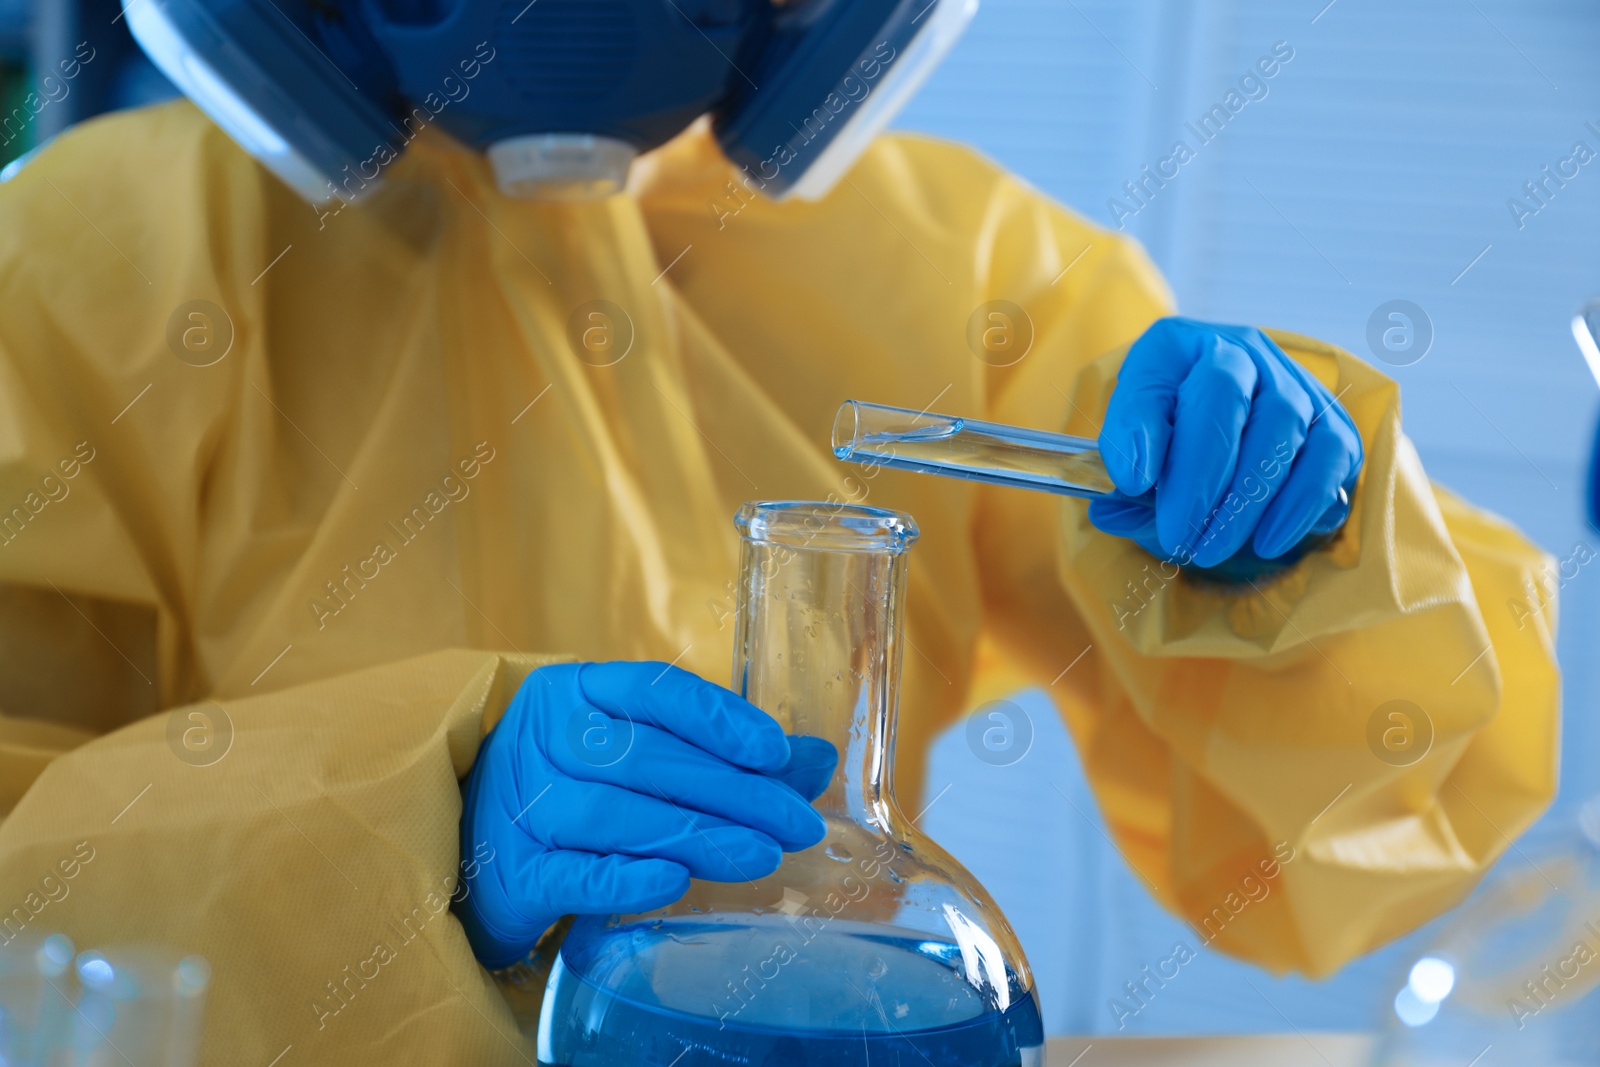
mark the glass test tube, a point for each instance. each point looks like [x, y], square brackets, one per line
[966, 448]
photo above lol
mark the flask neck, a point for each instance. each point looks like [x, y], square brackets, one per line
[818, 641]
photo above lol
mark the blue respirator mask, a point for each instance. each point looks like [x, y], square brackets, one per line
[560, 94]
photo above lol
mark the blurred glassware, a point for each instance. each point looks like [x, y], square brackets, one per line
[35, 998]
[137, 1005]
[1586, 331]
[1511, 977]
[124, 1005]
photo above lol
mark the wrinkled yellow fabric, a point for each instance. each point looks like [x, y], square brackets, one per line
[332, 554]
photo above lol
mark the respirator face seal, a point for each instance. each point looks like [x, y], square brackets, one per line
[560, 94]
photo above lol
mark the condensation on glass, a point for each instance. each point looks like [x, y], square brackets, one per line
[872, 947]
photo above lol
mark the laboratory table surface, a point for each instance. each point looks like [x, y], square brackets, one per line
[1272, 1050]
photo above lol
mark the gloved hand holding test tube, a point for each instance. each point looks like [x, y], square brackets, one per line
[956, 447]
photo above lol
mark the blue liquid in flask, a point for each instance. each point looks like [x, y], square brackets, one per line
[770, 991]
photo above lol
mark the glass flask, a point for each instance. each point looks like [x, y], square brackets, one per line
[872, 947]
[1513, 977]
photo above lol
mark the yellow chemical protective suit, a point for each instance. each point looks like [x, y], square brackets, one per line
[292, 501]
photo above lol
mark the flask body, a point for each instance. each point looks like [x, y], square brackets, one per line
[874, 946]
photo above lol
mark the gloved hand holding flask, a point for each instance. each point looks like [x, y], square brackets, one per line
[607, 786]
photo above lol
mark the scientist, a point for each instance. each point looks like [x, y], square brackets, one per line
[382, 417]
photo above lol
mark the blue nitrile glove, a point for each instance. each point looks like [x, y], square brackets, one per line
[606, 786]
[1245, 449]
